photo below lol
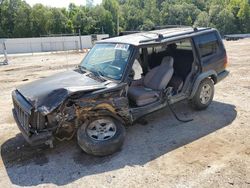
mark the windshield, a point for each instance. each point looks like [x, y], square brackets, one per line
[107, 60]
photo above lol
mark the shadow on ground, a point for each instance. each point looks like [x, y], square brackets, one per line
[27, 166]
[3, 63]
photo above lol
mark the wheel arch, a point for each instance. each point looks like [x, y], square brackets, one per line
[94, 113]
[209, 74]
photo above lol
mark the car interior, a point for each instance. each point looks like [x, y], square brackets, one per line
[157, 68]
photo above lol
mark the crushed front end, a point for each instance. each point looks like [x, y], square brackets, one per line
[31, 124]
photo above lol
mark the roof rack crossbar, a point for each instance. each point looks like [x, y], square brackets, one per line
[160, 35]
[175, 31]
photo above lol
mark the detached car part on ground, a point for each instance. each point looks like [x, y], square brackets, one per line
[105, 93]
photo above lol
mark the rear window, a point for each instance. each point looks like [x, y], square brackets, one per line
[208, 44]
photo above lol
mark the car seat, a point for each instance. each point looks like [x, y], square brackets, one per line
[147, 90]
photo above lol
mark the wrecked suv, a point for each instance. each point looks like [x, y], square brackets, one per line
[120, 80]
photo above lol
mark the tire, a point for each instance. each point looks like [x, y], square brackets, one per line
[93, 139]
[204, 95]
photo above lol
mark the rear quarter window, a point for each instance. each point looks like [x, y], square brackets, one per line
[184, 45]
[208, 44]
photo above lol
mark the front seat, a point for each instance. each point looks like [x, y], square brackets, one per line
[147, 90]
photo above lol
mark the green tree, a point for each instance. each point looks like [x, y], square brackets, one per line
[241, 11]
[202, 20]
[69, 27]
[113, 7]
[151, 14]
[225, 23]
[72, 10]
[151, 11]
[41, 20]
[22, 22]
[222, 19]
[103, 20]
[82, 20]
[179, 14]
[9, 10]
[58, 21]
[18, 19]
[132, 14]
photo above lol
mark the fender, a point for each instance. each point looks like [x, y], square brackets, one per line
[202, 76]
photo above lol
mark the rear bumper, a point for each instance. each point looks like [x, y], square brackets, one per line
[33, 139]
[222, 75]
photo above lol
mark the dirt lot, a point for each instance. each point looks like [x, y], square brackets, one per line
[211, 151]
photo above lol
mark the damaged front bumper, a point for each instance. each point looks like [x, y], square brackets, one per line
[22, 115]
[33, 139]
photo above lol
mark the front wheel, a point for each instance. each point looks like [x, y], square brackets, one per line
[204, 95]
[101, 136]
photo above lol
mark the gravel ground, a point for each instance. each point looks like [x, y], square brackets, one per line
[211, 151]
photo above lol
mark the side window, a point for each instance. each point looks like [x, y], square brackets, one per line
[208, 44]
[184, 45]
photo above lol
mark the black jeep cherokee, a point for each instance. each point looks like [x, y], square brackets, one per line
[120, 80]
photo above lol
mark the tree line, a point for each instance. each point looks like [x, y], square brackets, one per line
[19, 19]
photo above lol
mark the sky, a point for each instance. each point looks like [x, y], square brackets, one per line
[60, 3]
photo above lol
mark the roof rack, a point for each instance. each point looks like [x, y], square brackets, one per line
[128, 32]
[122, 33]
[161, 36]
[169, 26]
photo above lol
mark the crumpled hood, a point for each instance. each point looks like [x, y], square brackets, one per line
[48, 93]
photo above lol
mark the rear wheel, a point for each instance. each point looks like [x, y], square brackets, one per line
[204, 95]
[101, 136]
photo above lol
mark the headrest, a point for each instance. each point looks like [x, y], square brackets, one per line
[168, 60]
